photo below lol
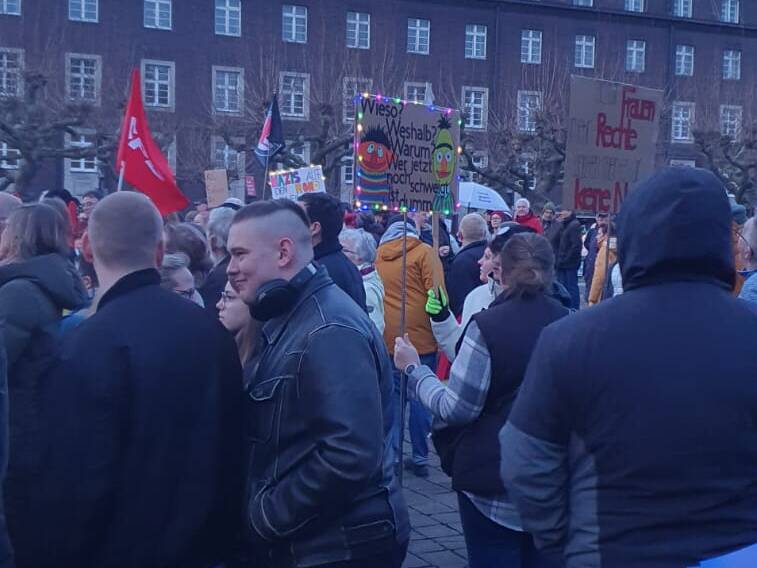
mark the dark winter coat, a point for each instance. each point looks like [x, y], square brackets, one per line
[142, 436]
[568, 255]
[33, 295]
[6, 549]
[321, 481]
[445, 240]
[633, 441]
[464, 275]
[552, 231]
[214, 285]
[343, 272]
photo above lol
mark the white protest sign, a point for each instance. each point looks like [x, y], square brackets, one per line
[290, 184]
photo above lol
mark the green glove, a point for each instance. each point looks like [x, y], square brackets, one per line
[437, 307]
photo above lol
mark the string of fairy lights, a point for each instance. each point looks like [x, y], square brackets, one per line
[359, 115]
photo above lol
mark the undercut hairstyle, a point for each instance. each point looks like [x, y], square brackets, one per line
[125, 231]
[362, 243]
[528, 265]
[473, 227]
[33, 230]
[291, 215]
[327, 211]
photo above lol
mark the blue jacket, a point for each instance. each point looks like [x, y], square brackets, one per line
[633, 442]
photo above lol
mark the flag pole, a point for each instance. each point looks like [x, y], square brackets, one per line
[403, 376]
[265, 174]
[121, 176]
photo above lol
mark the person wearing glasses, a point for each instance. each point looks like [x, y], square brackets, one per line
[175, 276]
[235, 316]
[748, 250]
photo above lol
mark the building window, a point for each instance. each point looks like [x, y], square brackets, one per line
[228, 17]
[84, 78]
[530, 46]
[295, 91]
[416, 92]
[529, 104]
[358, 30]
[8, 157]
[682, 8]
[475, 41]
[683, 163]
[351, 88]
[730, 120]
[588, 3]
[729, 11]
[348, 170]
[11, 69]
[584, 56]
[158, 83]
[732, 64]
[83, 165]
[636, 55]
[299, 149]
[294, 24]
[634, 5]
[158, 14]
[418, 36]
[685, 60]
[10, 7]
[683, 120]
[83, 10]
[476, 107]
[224, 156]
[481, 161]
[228, 89]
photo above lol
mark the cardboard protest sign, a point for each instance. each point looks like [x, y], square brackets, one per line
[290, 184]
[611, 146]
[406, 154]
[216, 187]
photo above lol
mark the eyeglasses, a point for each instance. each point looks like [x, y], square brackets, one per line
[226, 297]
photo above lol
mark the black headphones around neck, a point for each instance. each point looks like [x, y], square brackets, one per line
[275, 297]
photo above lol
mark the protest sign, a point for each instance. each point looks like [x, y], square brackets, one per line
[290, 184]
[216, 187]
[406, 154]
[611, 145]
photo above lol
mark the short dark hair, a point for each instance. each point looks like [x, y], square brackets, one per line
[326, 210]
[269, 207]
[93, 193]
[528, 265]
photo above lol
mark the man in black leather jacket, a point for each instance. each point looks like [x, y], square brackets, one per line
[321, 489]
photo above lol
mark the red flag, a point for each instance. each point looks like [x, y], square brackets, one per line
[144, 166]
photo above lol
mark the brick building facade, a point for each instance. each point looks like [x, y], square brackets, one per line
[208, 66]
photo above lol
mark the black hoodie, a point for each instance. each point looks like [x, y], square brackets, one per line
[633, 441]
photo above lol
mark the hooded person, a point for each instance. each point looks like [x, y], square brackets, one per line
[421, 265]
[632, 441]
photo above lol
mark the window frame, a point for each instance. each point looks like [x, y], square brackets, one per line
[5, 11]
[357, 23]
[81, 168]
[583, 45]
[155, 25]
[683, 8]
[5, 150]
[635, 51]
[415, 23]
[584, 3]
[83, 11]
[692, 116]
[305, 97]
[347, 162]
[171, 106]
[520, 108]
[227, 9]
[629, 6]
[527, 39]
[681, 58]
[348, 107]
[98, 77]
[414, 85]
[475, 34]
[240, 89]
[19, 73]
[731, 6]
[295, 17]
[484, 92]
[732, 64]
[740, 120]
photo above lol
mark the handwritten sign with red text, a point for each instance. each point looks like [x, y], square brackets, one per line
[290, 184]
[612, 141]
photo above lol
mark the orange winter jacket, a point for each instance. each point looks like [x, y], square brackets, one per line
[420, 279]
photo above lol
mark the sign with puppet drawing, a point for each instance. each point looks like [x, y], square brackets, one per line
[406, 155]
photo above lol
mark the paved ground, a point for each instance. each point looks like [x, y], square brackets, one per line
[437, 537]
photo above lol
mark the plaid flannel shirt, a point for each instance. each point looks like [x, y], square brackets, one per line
[460, 402]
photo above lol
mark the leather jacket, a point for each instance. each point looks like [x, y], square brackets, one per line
[321, 484]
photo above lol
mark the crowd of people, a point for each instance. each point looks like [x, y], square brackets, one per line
[225, 390]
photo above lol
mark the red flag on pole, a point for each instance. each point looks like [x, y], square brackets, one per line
[140, 161]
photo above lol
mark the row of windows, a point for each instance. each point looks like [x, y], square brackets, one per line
[682, 121]
[729, 11]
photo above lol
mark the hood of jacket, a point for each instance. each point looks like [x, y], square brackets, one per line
[395, 231]
[392, 250]
[676, 226]
[52, 273]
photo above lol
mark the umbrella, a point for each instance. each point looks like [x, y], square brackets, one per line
[476, 196]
